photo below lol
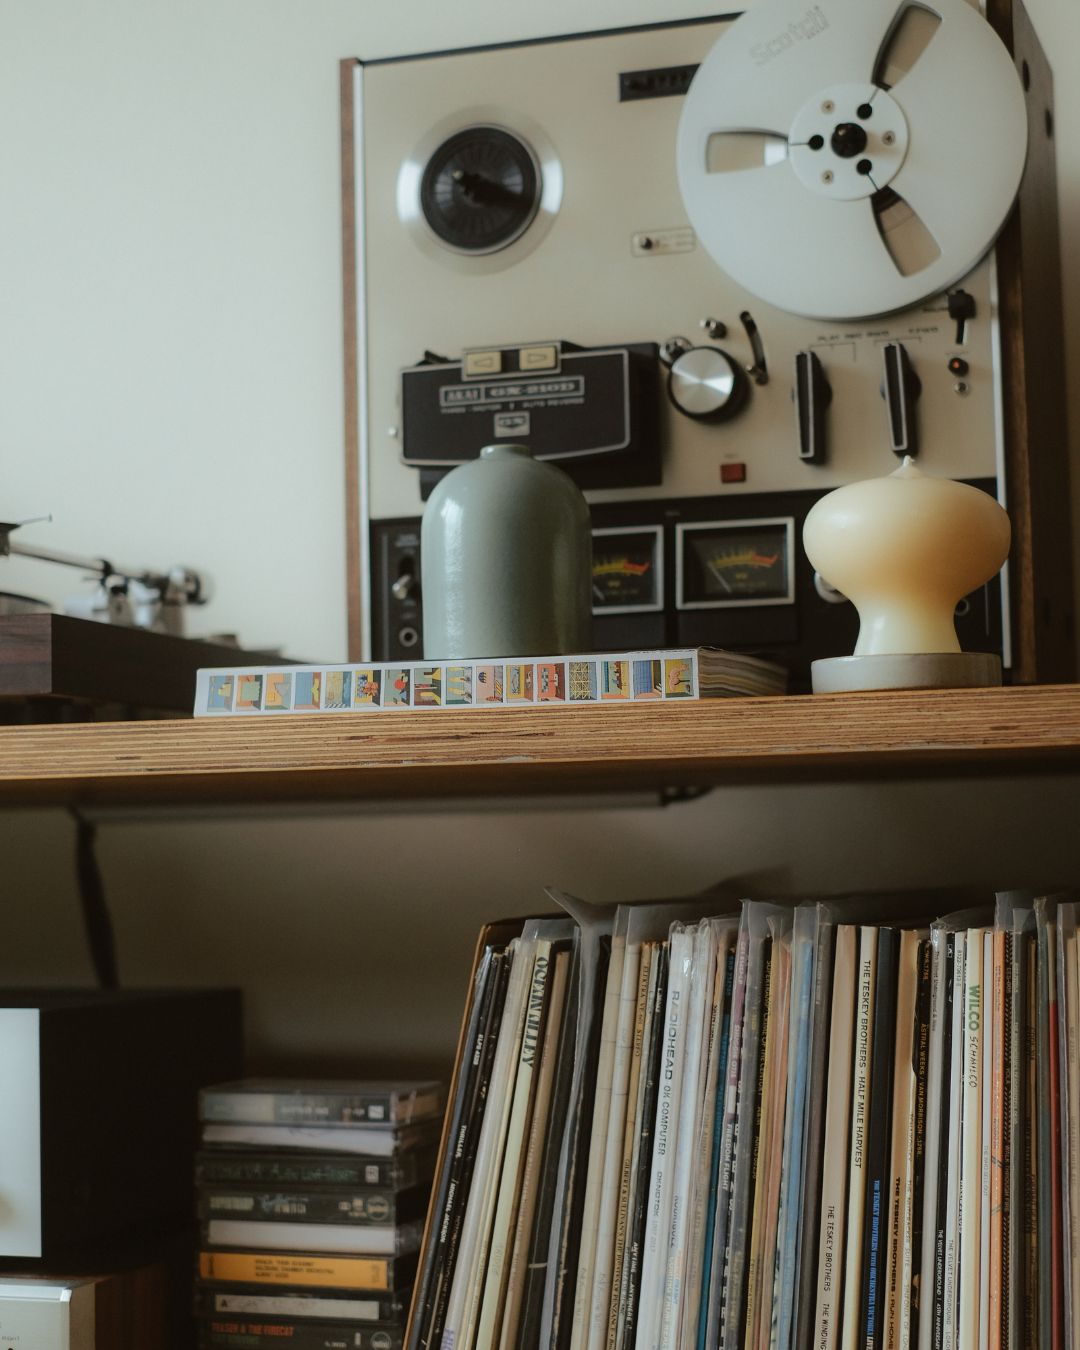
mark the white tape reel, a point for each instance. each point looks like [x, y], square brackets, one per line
[851, 157]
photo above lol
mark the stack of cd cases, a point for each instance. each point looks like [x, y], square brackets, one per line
[311, 1200]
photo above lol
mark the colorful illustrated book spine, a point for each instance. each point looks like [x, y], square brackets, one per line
[624, 677]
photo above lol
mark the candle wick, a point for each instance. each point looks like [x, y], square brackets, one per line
[907, 469]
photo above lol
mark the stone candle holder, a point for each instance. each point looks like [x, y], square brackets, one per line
[905, 549]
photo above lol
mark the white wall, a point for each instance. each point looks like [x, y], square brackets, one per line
[171, 390]
[170, 292]
[170, 335]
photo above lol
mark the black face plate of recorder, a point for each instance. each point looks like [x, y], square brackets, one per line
[724, 571]
[591, 410]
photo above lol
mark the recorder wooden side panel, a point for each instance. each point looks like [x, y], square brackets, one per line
[1032, 337]
[353, 596]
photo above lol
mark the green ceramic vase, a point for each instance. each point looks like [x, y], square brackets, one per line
[506, 560]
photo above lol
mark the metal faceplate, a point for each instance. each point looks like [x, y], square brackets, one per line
[610, 257]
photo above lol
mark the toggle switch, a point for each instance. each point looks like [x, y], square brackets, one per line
[961, 308]
[900, 391]
[812, 395]
[405, 584]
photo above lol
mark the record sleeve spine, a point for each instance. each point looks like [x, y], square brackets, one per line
[835, 1166]
[702, 981]
[556, 1324]
[898, 1236]
[998, 1145]
[916, 1293]
[853, 1331]
[604, 1266]
[954, 1137]
[650, 1100]
[531, 1178]
[929, 1288]
[805, 953]
[598, 1145]
[876, 1220]
[448, 1216]
[748, 1146]
[665, 1134]
[631, 1137]
[725, 974]
[509, 1189]
[728, 1140]
[463, 1100]
[539, 1237]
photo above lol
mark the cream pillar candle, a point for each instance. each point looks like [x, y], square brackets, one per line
[905, 549]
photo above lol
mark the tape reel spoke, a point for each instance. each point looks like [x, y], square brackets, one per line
[968, 136]
[734, 151]
[920, 198]
[909, 35]
[909, 240]
[773, 198]
[868, 36]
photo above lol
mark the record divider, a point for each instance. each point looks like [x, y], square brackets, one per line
[497, 933]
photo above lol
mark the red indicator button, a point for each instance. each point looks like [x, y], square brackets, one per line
[733, 473]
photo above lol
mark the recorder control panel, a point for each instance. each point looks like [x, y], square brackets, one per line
[621, 269]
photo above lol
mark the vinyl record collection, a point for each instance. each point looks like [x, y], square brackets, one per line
[784, 1128]
[311, 1197]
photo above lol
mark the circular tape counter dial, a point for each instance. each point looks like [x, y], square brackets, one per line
[480, 189]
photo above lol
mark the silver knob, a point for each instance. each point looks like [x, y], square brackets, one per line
[673, 348]
[706, 383]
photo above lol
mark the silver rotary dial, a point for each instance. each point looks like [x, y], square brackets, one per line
[707, 384]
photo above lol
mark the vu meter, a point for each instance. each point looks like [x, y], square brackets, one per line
[743, 562]
[628, 570]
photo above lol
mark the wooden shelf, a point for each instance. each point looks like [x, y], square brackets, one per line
[439, 753]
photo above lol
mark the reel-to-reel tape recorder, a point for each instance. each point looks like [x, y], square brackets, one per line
[713, 268]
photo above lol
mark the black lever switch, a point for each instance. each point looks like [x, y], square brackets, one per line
[812, 394]
[961, 308]
[901, 390]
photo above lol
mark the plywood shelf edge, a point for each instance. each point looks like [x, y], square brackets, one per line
[437, 753]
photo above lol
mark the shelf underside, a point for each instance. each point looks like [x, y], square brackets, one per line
[452, 753]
